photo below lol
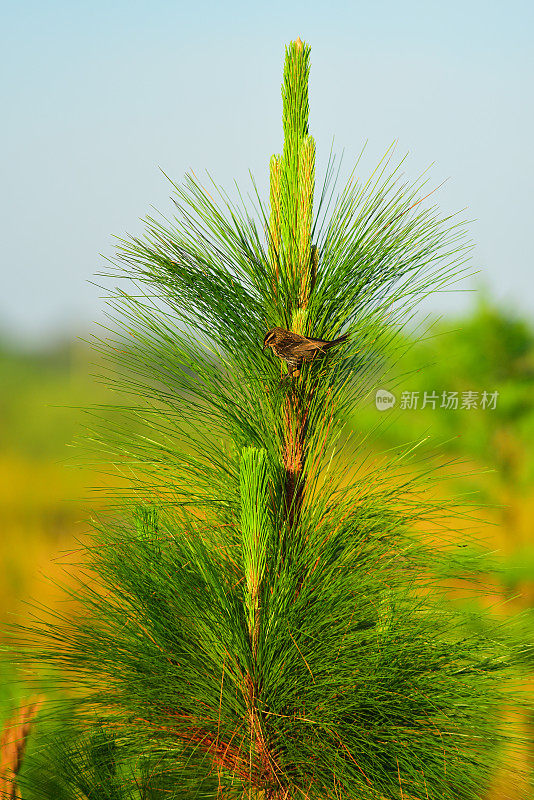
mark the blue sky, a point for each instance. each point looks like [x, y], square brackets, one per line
[97, 96]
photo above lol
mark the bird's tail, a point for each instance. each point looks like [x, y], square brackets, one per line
[326, 345]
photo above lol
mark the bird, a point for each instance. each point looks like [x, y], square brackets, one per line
[294, 349]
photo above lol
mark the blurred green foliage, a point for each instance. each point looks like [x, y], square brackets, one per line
[42, 398]
[492, 350]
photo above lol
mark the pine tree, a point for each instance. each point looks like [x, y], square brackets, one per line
[266, 620]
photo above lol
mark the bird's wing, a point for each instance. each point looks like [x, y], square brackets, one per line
[289, 341]
[305, 348]
[291, 338]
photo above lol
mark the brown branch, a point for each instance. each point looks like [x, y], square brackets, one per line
[269, 769]
[293, 456]
[13, 741]
[259, 772]
[225, 755]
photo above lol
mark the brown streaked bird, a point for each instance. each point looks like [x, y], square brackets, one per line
[294, 349]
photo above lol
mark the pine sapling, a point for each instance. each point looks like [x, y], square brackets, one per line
[266, 621]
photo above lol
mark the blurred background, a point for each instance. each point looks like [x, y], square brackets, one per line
[99, 99]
